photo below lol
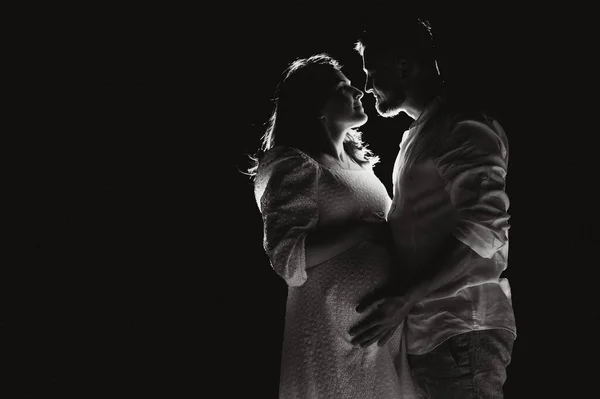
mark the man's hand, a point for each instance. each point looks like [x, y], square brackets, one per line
[379, 327]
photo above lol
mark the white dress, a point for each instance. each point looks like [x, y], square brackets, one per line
[297, 195]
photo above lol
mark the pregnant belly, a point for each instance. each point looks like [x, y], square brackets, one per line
[342, 282]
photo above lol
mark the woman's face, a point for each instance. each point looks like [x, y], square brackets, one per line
[343, 107]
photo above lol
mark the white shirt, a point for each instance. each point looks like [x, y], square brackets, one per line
[449, 179]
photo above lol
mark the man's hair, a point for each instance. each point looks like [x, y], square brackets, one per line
[295, 120]
[406, 35]
[412, 35]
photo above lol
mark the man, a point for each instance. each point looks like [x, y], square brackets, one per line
[448, 219]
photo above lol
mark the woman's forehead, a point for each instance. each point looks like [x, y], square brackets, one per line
[340, 77]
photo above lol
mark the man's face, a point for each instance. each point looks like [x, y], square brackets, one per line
[384, 82]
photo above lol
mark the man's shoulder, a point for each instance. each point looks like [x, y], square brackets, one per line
[455, 115]
[456, 110]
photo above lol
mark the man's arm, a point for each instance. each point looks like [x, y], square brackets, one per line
[438, 271]
[474, 169]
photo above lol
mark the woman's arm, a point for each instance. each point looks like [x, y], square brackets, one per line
[288, 196]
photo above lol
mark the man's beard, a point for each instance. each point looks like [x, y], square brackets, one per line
[388, 109]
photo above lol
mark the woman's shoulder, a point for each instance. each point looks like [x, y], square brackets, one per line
[281, 155]
[284, 165]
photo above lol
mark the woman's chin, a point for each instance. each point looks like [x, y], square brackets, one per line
[360, 118]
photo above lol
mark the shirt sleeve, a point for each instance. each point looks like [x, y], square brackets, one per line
[474, 166]
[289, 209]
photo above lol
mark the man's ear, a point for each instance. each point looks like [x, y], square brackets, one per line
[405, 67]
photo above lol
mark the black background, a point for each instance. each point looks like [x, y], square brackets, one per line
[145, 274]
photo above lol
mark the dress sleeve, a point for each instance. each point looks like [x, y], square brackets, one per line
[287, 198]
[474, 166]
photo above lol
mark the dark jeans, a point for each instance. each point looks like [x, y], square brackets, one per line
[471, 365]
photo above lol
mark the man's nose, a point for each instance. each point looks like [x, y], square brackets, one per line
[368, 86]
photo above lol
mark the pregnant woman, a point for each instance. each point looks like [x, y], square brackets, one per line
[325, 233]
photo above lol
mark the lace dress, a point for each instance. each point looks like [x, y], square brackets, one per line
[297, 195]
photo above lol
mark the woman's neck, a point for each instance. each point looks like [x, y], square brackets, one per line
[335, 149]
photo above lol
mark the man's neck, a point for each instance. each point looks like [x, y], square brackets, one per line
[420, 99]
[418, 106]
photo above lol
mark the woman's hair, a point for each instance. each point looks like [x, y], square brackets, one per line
[295, 120]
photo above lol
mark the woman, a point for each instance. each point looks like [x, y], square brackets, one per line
[324, 210]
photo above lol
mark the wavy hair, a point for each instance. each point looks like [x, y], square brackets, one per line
[299, 99]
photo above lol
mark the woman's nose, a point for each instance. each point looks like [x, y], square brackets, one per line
[358, 93]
